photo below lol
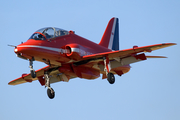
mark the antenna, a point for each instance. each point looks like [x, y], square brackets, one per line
[12, 46]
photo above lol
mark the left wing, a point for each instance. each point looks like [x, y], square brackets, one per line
[128, 52]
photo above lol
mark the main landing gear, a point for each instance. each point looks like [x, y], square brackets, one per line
[107, 68]
[50, 91]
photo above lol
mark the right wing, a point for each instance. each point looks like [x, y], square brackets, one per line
[56, 76]
[27, 77]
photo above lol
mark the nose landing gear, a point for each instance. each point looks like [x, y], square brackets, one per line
[32, 71]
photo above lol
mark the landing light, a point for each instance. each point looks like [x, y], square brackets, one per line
[15, 50]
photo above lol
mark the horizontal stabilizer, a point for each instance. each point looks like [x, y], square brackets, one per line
[156, 57]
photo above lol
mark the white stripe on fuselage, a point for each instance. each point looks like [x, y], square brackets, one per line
[112, 34]
[59, 50]
[42, 47]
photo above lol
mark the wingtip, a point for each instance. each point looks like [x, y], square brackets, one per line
[170, 44]
[10, 83]
[173, 43]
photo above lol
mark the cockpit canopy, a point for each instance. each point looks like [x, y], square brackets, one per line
[48, 32]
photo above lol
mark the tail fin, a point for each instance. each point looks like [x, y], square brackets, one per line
[110, 38]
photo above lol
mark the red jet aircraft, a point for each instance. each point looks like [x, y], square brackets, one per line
[68, 56]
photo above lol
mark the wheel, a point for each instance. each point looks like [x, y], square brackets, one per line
[111, 78]
[33, 73]
[50, 93]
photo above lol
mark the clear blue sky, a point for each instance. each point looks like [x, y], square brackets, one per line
[150, 91]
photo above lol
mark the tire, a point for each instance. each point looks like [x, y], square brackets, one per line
[33, 73]
[50, 94]
[111, 78]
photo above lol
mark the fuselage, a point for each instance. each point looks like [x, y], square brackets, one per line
[54, 49]
[66, 49]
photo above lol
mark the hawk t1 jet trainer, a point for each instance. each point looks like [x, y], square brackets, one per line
[69, 56]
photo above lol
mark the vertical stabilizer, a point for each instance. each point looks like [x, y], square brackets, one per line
[110, 38]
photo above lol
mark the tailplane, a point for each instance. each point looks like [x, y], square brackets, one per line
[110, 38]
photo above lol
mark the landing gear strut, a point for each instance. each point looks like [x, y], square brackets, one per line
[50, 91]
[107, 68]
[32, 71]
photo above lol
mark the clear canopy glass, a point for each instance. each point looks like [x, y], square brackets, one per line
[48, 32]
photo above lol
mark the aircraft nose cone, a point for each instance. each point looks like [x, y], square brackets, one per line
[18, 49]
[22, 52]
[15, 49]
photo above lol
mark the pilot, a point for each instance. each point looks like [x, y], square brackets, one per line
[40, 37]
[35, 38]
